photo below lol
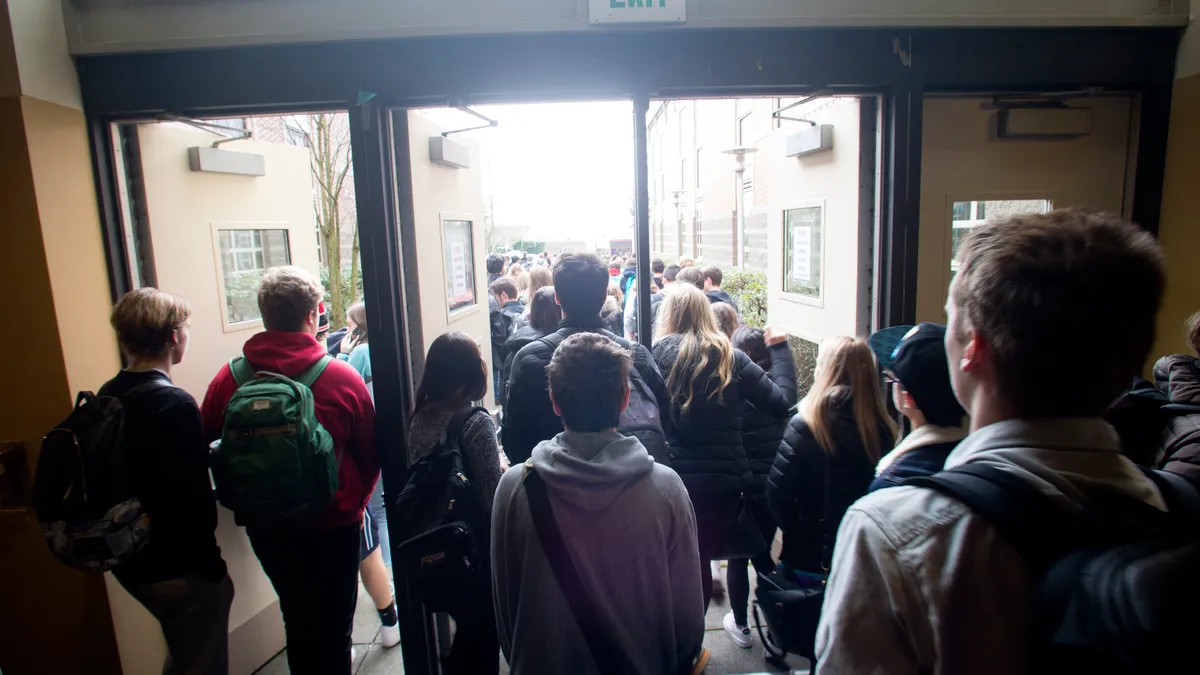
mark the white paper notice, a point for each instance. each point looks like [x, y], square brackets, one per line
[801, 252]
[458, 268]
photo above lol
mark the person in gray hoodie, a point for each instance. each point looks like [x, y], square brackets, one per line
[627, 525]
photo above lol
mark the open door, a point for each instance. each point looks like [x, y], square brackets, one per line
[448, 247]
[1073, 152]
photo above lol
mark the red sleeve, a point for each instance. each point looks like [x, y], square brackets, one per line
[360, 442]
[212, 411]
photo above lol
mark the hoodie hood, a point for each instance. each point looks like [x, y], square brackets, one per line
[590, 470]
[284, 352]
[720, 295]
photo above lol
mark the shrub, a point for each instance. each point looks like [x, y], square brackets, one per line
[749, 289]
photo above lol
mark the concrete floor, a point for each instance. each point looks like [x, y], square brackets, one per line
[372, 658]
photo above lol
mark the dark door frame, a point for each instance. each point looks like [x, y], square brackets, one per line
[375, 79]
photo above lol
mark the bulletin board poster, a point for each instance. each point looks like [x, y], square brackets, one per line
[459, 264]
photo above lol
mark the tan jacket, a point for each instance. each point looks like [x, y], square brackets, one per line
[920, 584]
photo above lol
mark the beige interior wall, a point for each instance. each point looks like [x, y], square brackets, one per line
[441, 192]
[828, 179]
[183, 208]
[1179, 228]
[52, 619]
[960, 160]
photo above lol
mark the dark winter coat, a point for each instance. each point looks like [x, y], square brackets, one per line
[529, 416]
[612, 317]
[1178, 377]
[524, 335]
[761, 434]
[623, 281]
[805, 475]
[721, 296]
[706, 445]
[503, 322]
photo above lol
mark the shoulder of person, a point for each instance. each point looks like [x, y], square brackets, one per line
[912, 517]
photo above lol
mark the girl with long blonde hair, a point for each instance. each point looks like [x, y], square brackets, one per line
[827, 458]
[710, 383]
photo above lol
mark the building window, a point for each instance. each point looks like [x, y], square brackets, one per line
[803, 235]
[245, 255]
[459, 247]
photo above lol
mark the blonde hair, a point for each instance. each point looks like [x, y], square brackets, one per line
[686, 262]
[614, 292]
[146, 319]
[515, 270]
[687, 312]
[287, 296]
[847, 363]
[539, 277]
[522, 279]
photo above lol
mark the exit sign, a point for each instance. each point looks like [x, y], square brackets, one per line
[637, 11]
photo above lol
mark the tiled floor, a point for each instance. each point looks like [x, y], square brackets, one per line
[373, 659]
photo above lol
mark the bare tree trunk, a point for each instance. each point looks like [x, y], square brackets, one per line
[330, 154]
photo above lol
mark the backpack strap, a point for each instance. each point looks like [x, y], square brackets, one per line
[454, 429]
[241, 370]
[1040, 529]
[567, 575]
[310, 374]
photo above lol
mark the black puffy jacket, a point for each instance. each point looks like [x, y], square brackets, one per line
[797, 487]
[529, 416]
[706, 444]
[1178, 377]
[524, 335]
[761, 434]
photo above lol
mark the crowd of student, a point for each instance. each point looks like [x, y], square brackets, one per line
[914, 580]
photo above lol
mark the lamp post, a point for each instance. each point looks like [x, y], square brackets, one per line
[739, 154]
[678, 223]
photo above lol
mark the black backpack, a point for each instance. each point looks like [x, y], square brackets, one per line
[642, 419]
[435, 517]
[1115, 586]
[1142, 417]
[84, 503]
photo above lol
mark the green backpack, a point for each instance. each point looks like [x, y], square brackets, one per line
[274, 459]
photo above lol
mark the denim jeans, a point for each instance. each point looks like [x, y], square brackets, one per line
[194, 615]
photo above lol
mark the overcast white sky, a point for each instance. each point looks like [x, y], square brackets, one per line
[565, 169]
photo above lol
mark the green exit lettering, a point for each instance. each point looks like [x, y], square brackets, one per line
[615, 4]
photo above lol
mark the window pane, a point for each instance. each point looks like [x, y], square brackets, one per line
[802, 258]
[245, 255]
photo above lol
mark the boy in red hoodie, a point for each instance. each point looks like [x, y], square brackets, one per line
[311, 562]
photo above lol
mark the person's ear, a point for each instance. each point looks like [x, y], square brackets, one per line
[557, 410]
[975, 352]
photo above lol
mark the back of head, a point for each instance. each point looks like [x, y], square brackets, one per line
[1041, 289]
[712, 273]
[727, 318]
[589, 382]
[581, 282]
[846, 367]
[614, 291]
[631, 263]
[657, 266]
[687, 262]
[146, 319]
[287, 296]
[454, 372]
[516, 270]
[495, 263]
[703, 349]
[692, 276]
[358, 312]
[544, 312]
[505, 286]
[539, 277]
[1191, 329]
[753, 343]
[671, 273]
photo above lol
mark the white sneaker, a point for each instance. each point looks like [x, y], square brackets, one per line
[739, 634]
[389, 636]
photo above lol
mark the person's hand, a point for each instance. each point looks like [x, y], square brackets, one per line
[349, 343]
[772, 338]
